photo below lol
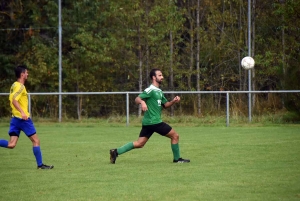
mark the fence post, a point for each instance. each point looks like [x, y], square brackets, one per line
[227, 109]
[29, 105]
[127, 109]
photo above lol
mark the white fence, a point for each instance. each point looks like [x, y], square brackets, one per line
[165, 92]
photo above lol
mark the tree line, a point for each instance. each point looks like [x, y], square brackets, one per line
[111, 45]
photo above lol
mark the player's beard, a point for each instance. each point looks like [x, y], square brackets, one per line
[158, 81]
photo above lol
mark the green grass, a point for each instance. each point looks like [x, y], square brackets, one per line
[236, 163]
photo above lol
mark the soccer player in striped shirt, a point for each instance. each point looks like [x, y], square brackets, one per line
[152, 100]
[21, 120]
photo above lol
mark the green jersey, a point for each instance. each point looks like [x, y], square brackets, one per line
[154, 98]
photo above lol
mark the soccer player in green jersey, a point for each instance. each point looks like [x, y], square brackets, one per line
[152, 100]
[21, 120]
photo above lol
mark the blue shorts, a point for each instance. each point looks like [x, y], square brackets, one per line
[17, 125]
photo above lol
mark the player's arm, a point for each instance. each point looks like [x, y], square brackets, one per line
[139, 100]
[18, 107]
[176, 99]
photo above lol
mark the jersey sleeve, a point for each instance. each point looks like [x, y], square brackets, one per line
[144, 95]
[16, 92]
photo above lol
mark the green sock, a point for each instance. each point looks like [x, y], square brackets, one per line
[175, 149]
[125, 148]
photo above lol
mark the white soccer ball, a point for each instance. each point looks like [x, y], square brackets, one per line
[248, 63]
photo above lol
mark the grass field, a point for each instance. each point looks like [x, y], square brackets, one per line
[236, 163]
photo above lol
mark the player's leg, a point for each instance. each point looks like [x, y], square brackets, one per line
[14, 133]
[29, 129]
[114, 153]
[166, 130]
[174, 136]
[11, 143]
[36, 149]
[145, 134]
[38, 153]
[132, 145]
[140, 143]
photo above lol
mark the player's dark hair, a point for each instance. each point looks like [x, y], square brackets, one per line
[153, 72]
[20, 69]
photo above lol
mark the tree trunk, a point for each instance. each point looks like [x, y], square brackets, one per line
[190, 5]
[79, 102]
[171, 84]
[191, 53]
[140, 68]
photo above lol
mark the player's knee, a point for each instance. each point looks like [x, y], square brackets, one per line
[175, 137]
[36, 142]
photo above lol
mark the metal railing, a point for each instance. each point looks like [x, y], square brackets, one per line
[127, 93]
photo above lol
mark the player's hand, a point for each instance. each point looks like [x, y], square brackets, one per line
[144, 106]
[176, 99]
[24, 116]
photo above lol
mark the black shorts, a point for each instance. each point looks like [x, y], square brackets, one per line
[161, 128]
